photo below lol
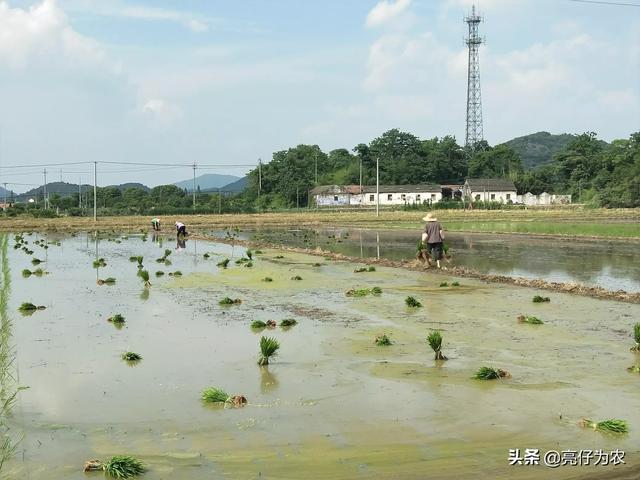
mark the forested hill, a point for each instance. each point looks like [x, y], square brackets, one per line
[539, 148]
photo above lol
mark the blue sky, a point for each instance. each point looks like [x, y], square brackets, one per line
[228, 82]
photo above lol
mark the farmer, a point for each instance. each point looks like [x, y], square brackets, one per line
[181, 229]
[155, 223]
[433, 236]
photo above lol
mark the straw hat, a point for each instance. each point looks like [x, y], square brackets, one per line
[429, 218]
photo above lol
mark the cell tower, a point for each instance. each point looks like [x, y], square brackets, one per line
[474, 100]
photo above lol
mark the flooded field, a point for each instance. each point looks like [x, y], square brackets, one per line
[332, 404]
[610, 264]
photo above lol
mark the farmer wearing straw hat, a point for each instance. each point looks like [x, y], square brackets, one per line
[433, 236]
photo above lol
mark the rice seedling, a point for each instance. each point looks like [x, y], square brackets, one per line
[214, 395]
[118, 467]
[267, 279]
[117, 318]
[133, 259]
[240, 261]
[139, 259]
[371, 268]
[636, 337]
[206, 256]
[159, 273]
[435, 342]
[230, 301]
[36, 261]
[360, 270]
[109, 281]
[539, 299]
[376, 291]
[383, 340]
[634, 369]
[258, 324]
[288, 322]
[167, 252]
[38, 272]
[249, 254]
[177, 273]
[412, 302]
[455, 284]
[531, 320]
[224, 263]
[444, 284]
[167, 263]
[362, 292]
[26, 273]
[248, 264]
[490, 373]
[30, 307]
[613, 425]
[268, 348]
[131, 357]
[296, 277]
[317, 265]
[144, 275]
[99, 263]
[279, 256]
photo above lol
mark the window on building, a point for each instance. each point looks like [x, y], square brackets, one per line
[335, 198]
[404, 197]
[390, 197]
[508, 196]
[478, 197]
[372, 198]
[493, 196]
[433, 197]
[418, 198]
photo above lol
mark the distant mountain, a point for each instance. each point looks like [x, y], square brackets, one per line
[236, 187]
[208, 182]
[539, 148]
[65, 189]
[125, 186]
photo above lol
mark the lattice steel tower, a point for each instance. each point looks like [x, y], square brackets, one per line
[474, 101]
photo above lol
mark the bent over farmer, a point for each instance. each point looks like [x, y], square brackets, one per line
[433, 236]
[181, 229]
[155, 223]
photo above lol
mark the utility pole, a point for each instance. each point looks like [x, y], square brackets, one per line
[297, 199]
[79, 192]
[259, 176]
[360, 175]
[5, 196]
[45, 188]
[474, 132]
[316, 168]
[95, 191]
[194, 185]
[219, 202]
[377, 186]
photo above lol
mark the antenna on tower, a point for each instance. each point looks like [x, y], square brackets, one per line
[474, 132]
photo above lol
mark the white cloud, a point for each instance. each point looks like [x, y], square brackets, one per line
[193, 22]
[161, 111]
[389, 12]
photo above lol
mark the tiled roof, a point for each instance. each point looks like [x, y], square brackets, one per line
[493, 184]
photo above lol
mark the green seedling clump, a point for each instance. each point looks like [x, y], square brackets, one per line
[279, 256]
[248, 264]
[412, 302]
[531, 320]
[539, 299]
[258, 324]
[363, 292]
[36, 261]
[317, 265]
[119, 467]
[267, 279]
[268, 348]
[636, 337]
[214, 395]
[26, 273]
[435, 342]
[30, 307]
[177, 273]
[109, 280]
[613, 425]
[159, 273]
[133, 259]
[383, 340]
[224, 263]
[257, 252]
[288, 322]
[455, 284]
[490, 373]
[206, 256]
[444, 284]
[131, 357]
[296, 277]
[99, 263]
[144, 275]
[117, 318]
[371, 269]
[634, 369]
[230, 301]
[249, 254]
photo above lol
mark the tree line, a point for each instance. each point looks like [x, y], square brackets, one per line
[589, 169]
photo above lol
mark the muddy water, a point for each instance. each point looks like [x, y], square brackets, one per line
[609, 264]
[332, 404]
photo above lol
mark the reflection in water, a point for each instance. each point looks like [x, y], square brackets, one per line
[268, 381]
[607, 263]
[144, 295]
[8, 390]
[181, 242]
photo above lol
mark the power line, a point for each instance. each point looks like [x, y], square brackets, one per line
[603, 2]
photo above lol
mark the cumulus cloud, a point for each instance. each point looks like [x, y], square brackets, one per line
[388, 12]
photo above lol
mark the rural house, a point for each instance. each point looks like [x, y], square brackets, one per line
[490, 190]
[346, 195]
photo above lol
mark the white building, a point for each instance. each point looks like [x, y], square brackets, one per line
[490, 190]
[349, 195]
[543, 199]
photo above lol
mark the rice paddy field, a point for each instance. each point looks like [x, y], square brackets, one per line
[336, 401]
